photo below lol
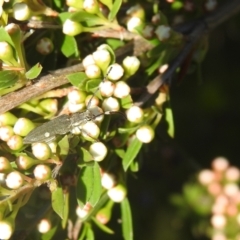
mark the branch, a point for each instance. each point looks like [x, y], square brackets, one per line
[205, 25]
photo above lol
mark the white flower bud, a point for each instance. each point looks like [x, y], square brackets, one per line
[121, 89]
[6, 132]
[90, 131]
[83, 212]
[44, 46]
[21, 11]
[15, 142]
[107, 88]
[102, 58]
[6, 229]
[133, 22]
[23, 126]
[145, 134]
[98, 151]
[44, 226]
[90, 6]
[93, 71]
[42, 172]
[131, 65]
[14, 180]
[115, 72]
[108, 180]
[41, 151]
[88, 60]
[134, 114]
[118, 193]
[72, 28]
[110, 104]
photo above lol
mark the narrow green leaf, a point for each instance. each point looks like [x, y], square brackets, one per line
[126, 102]
[77, 79]
[64, 146]
[131, 153]
[69, 47]
[102, 226]
[90, 233]
[127, 227]
[65, 210]
[89, 185]
[115, 8]
[108, 3]
[170, 121]
[92, 84]
[34, 71]
[50, 234]
[5, 36]
[8, 78]
[85, 155]
[58, 202]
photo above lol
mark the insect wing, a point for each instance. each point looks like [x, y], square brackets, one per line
[48, 131]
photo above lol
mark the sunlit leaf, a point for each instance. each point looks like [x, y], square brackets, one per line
[8, 78]
[34, 71]
[127, 227]
[115, 8]
[58, 201]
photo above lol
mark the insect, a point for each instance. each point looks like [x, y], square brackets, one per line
[63, 124]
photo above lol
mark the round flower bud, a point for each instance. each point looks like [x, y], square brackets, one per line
[21, 11]
[133, 23]
[94, 101]
[91, 6]
[220, 164]
[98, 113]
[44, 46]
[88, 60]
[218, 221]
[50, 105]
[205, 177]
[145, 134]
[6, 52]
[93, 71]
[102, 58]
[15, 142]
[42, 172]
[90, 131]
[24, 162]
[76, 96]
[98, 151]
[131, 65]
[73, 107]
[72, 28]
[135, 114]
[115, 72]
[148, 31]
[5, 165]
[23, 126]
[107, 88]
[7, 118]
[108, 180]
[121, 90]
[110, 104]
[41, 151]
[6, 229]
[117, 194]
[83, 212]
[163, 32]
[14, 180]
[44, 226]
[6, 132]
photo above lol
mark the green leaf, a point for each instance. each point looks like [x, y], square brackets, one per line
[85, 155]
[102, 226]
[34, 71]
[50, 234]
[64, 146]
[58, 202]
[69, 47]
[170, 121]
[77, 79]
[115, 8]
[107, 3]
[89, 233]
[89, 185]
[8, 78]
[127, 227]
[5, 37]
[131, 153]
[65, 210]
[126, 102]
[92, 84]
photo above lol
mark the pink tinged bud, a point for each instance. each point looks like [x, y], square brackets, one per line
[115, 72]
[94, 101]
[6, 132]
[5, 165]
[206, 177]
[93, 71]
[110, 104]
[108, 180]
[218, 221]
[121, 89]
[107, 88]
[44, 46]
[76, 96]
[49, 105]
[42, 172]
[14, 180]
[41, 151]
[163, 32]
[15, 142]
[232, 174]
[90, 131]
[44, 226]
[98, 151]
[23, 126]
[88, 60]
[83, 212]
[72, 28]
[6, 229]
[231, 189]
[7, 118]
[118, 193]
[220, 164]
[135, 114]
[24, 162]
[145, 134]
[21, 11]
